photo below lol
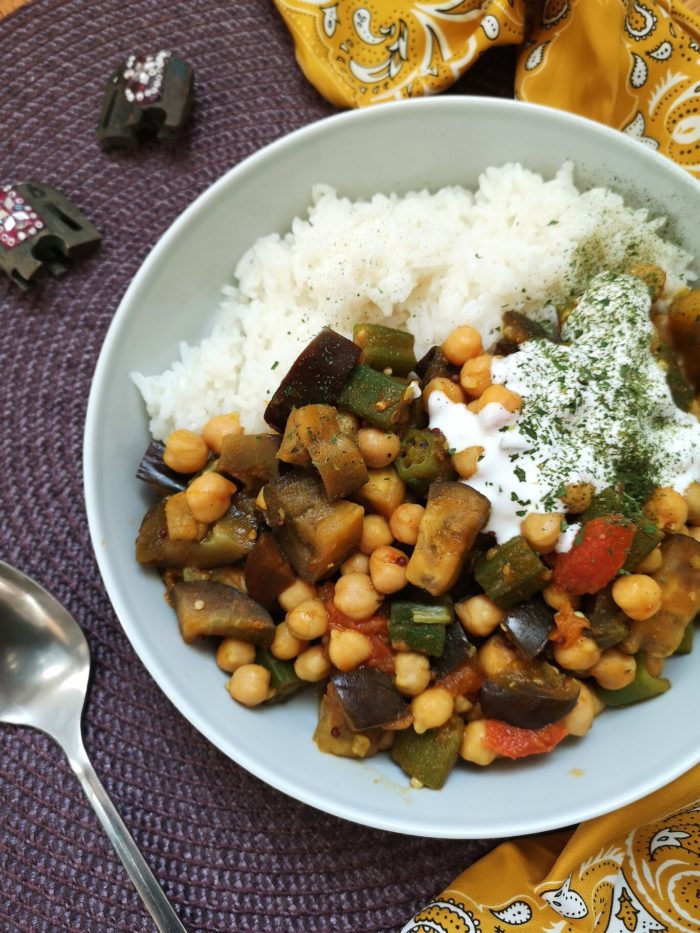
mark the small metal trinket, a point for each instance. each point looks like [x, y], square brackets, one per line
[148, 96]
[40, 230]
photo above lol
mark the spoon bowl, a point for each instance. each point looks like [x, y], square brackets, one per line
[44, 658]
[44, 674]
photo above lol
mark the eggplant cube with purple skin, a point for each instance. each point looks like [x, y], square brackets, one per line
[148, 96]
[40, 231]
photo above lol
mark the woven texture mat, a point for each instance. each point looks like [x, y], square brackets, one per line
[231, 853]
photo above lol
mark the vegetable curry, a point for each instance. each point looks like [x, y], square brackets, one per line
[356, 549]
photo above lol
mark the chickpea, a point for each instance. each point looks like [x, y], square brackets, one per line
[442, 384]
[431, 708]
[185, 452]
[296, 593]
[580, 656]
[475, 375]
[285, 645]
[474, 747]
[378, 448]
[651, 563]
[497, 656]
[209, 496]
[615, 670]
[218, 427]
[348, 649]
[232, 653]
[577, 497]
[653, 277]
[375, 533]
[479, 615]
[692, 500]
[667, 509]
[411, 673]
[313, 664]
[466, 462]
[497, 394]
[638, 595]
[308, 620]
[250, 684]
[541, 530]
[405, 521]
[356, 563]
[356, 597]
[387, 568]
[462, 344]
[559, 598]
[581, 717]
[463, 706]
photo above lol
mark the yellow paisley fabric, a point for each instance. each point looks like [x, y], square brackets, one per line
[633, 65]
[634, 871]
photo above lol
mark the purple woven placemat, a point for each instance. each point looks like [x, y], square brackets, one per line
[231, 853]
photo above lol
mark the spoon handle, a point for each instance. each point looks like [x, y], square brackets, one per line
[151, 893]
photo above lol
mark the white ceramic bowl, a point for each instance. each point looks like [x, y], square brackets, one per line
[398, 147]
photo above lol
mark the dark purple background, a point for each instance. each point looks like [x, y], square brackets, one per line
[231, 853]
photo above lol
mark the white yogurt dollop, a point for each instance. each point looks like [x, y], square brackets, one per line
[596, 409]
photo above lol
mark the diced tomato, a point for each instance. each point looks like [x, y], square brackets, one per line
[593, 561]
[513, 742]
[568, 626]
[382, 656]
[463, 679]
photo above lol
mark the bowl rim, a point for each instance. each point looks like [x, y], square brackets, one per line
[156, 667]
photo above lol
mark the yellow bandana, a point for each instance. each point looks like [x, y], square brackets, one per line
[633, 65]
[634, 871]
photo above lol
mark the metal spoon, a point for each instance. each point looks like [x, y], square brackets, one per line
[44, 671]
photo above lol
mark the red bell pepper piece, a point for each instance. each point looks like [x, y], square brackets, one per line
[514, 742]
[596, 558]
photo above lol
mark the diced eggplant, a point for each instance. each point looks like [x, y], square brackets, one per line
[315, 534]
[284, 682]
[454, 515]
[267, 570]
[430, 756]
[517, 328]
[681, 391]
[510, 573]
[369, 699]
[385, 348]
[250, 458]
[456, 651]
[336, 457]
[317, 375]
[528, 626]
[607, 623]
[526, 702]
[216, 609]
[686, 645]
[383, 492]
[229, 539]
[434, 365]
[293, 450]
[334, 736]
[154, 471]
[679, 579]
[381, 400]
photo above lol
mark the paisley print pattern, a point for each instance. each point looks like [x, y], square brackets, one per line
[646, 880]
[632, 64]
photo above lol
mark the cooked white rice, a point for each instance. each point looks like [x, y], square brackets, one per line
[426, 262]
